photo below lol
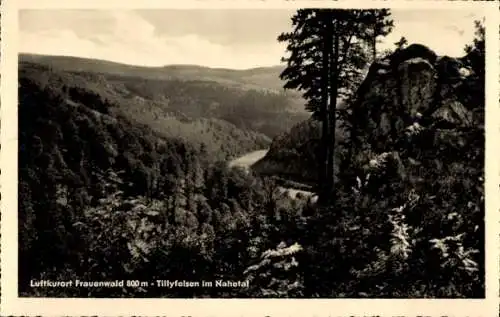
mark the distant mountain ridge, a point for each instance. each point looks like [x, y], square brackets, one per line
[254, 78]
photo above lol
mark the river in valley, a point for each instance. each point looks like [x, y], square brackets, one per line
[247, 160]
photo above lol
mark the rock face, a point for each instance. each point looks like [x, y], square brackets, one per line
[409, 95]
[415, 85]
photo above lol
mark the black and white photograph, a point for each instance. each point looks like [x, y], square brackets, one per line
[295, 153]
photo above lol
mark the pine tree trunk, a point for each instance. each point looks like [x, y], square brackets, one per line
[324, 144]
[334, 71]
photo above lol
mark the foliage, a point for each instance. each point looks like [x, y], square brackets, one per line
[479, 38]
[476, 53]
[391, 233]
[275, 274]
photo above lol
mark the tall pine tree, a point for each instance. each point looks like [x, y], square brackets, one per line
[328, 53]
[381, 26]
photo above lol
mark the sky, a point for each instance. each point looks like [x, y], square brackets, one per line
[231, 38]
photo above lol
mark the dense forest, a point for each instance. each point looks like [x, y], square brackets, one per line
[126, 176]
[167, 202]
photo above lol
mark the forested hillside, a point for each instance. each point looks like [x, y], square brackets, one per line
[250, 99]
[97, 190]
[123, 177]
[266, 78]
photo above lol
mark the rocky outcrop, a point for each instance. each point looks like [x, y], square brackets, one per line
[420, 105]
[415, 86]
[406, 100]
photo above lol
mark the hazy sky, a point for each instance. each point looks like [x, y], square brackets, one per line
[214, 38]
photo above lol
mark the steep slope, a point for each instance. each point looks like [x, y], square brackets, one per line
[221, 138]
[293, 155]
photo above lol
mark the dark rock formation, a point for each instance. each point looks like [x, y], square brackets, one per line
[412, 103]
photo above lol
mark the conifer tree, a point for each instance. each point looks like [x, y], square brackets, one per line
[327, 57]
[381, 26]
[401, 43]
[476, 50]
